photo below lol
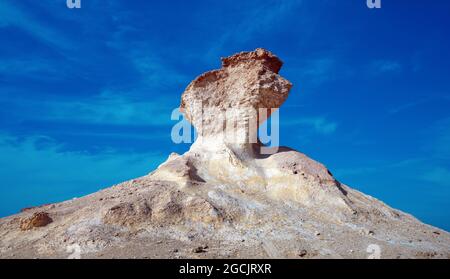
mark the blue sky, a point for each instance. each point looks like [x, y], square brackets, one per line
[86, 94]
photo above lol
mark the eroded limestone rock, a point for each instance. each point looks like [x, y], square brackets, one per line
[224, 105]
[38, 219]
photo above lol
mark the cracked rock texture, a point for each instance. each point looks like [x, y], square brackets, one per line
[223, 105]
[224, 197]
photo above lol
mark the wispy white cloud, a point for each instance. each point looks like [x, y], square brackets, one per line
[12, 15]
[36, 170]
[422, 170]
[256, 18]
[438, 175]
[439, 139]
[109, 108]
[262, 17]
[406, 106]
[35, 68]
[318, 70]
[429, 100]
[46, 159]
[319, 124]
[379, 167]
[429, 166]
[154, 70]
[382, 66]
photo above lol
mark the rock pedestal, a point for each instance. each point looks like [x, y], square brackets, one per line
[226, 106]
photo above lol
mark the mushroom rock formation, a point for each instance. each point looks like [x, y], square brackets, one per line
[224, 105]
[225, 194]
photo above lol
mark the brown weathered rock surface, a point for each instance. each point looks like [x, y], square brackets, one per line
[225, 195]
[38, 219]
[247, 82]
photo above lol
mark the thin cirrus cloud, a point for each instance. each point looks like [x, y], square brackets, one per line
[380, 167]
[385, 66]
[319, 70]
[12, 15]
[430, 100]
[437, 175]
[40, 171]
[439, 143]
[39, 69]
[252, 21]
[143, 56]
[406, 106]
[106, 108]
[430, 167]
[426, 172]
[319, 124]
[154, 71]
